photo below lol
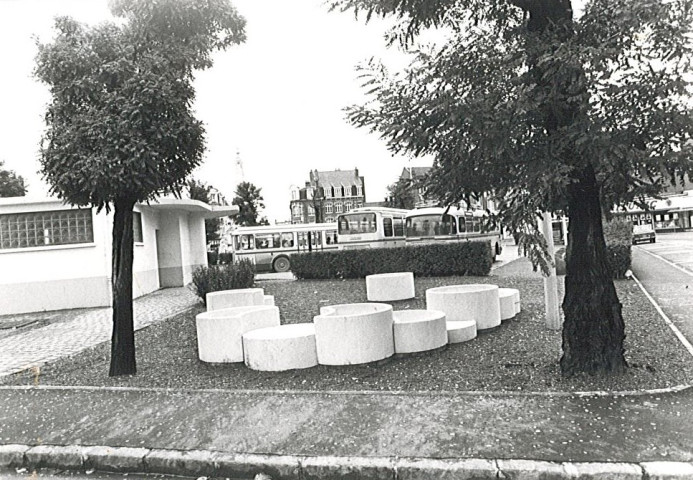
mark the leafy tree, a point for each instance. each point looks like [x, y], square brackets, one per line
[120, 127]
[550, 112]
[401, 194]
[11, 184]
[249, 201]
[199, 190]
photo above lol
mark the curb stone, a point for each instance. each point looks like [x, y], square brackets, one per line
[294, 467]
[12, 456]
[121, 459]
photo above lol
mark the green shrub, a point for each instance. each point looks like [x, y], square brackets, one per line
[433, 260]
[618, 231]
[618, 234]
[619, 258]
[215, 258]
[222, 277]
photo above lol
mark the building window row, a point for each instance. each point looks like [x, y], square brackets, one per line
[38, 229]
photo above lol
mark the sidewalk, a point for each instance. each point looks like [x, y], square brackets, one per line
[27, 349]
[311, 435]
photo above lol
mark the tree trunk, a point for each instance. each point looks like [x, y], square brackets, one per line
[593, 331]
[123, 338]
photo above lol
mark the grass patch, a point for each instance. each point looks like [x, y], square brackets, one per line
[522, 355]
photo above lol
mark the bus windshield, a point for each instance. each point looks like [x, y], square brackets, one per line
[430, 225]
[356, 223]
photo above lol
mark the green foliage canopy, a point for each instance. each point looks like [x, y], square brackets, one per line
[614, 91]
[11, 184]
[120, 123]
[249, 201]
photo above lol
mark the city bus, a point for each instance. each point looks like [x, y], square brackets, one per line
[371, 227]
[269, 246]
[438, 224]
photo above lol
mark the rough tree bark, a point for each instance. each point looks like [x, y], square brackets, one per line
[593, 331]
[123, 337]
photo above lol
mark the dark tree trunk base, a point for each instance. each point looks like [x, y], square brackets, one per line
[123, 338]
[593, 332]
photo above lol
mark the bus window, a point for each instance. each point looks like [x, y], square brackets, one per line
[469, 224]
[461, 225]
[445, 225]
[246, 242]
[287, 240]
[399, 226]
[331, 237]
[270, 240]
[387, 226]
[356, 223]
[476, 223]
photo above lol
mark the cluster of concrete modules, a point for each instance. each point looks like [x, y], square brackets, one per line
[243, 325]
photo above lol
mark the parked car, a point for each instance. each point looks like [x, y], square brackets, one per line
[643, 233]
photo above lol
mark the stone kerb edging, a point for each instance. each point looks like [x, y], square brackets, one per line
[293, 467]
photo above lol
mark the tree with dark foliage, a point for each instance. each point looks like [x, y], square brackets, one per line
[120, 125]
[550, 111]
[11, 184]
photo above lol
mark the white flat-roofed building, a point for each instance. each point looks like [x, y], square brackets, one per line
[54, 256]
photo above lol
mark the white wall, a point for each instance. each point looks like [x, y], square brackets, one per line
[54, 277]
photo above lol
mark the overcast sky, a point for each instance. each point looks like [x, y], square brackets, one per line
[277, 99]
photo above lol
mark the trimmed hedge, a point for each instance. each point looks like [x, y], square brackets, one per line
[215, 258]
[432, 260]
[618, 235]
[222, 277]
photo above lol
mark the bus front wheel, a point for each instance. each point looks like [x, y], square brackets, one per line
[281, 264]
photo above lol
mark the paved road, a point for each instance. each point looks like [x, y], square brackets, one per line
[665, 269]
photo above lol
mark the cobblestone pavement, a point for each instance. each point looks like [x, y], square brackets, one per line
[31, 348]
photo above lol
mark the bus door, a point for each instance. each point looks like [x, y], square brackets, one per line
[309, 241]
[244, 247]
[266, 245]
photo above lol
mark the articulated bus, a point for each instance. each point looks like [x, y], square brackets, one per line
[269, 246]
[433, 224]
[371, 227]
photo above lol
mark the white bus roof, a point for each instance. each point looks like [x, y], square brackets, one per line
[287, 227]
[440, 210]
[376, 209]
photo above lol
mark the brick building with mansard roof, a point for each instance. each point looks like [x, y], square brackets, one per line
[326, 195]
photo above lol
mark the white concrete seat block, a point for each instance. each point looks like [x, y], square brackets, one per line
[354, 333]
[388, 287]
[219, 333]
[477, 302]
[268, 300]
[239, 297]
[509, 299]
[285, 347]
[419, 330]
[461, 331]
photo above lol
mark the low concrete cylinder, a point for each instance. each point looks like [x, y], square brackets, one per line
[354, 333]
[286, 347]
[239, 297]
[419, 330]
[461, 331]
[478, 302]
[509, 299]
[388, 287]
[219, 333]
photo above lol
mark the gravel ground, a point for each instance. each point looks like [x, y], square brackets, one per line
[520, 355]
